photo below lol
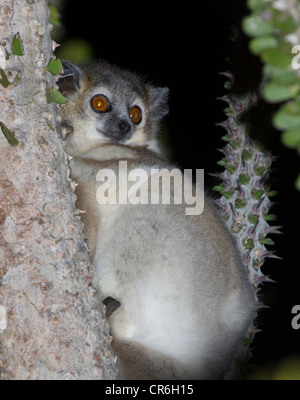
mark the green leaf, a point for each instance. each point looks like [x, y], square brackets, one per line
[230, 169]
[293, 107]
[258, 170]
[228, 195]
[9, 135]
[227, 110]
[260, 146]
[254, 25]
[4, 81]
[222, 162]
[234, 145]
[274, 92]
[243, 179]
[228, 85]
[58, 97]
[256, 5]
[270, 217]
[266, 241]
[218, 188]
[53, 95]
[49, 94]
[257, 195]
[285, 121]
[291, 138]
[272, 193]
[239, 203]
[54, 66]
[283, 22]
[225, 138]
[285, 76]
[249, 243]
[261, 43]
[16, 47]
[246, 155]
[275, 56]
[253, 218]
[54, 15]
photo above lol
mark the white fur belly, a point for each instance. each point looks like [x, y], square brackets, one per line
[160, 321]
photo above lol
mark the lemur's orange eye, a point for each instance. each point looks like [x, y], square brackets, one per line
[136, 115]
[100, 103]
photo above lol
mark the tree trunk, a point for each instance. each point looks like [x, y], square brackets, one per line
[51, 323]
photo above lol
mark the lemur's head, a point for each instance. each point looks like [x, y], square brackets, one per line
[107, 104]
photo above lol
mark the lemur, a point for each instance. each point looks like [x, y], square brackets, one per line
[178, 299]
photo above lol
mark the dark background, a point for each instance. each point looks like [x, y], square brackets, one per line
[185, 46]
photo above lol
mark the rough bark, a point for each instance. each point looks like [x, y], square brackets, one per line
[51, 326]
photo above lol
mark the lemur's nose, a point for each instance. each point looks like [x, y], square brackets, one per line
[124, 126]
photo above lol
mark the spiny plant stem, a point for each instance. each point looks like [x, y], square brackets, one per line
[245, 199]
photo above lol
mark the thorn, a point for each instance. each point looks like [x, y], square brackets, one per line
[221, 177]
[273, 229]
[224, 124]
[263, 179]
[256, 330]
[268, 279]
[270, 204]
[239, 107]
[221, 151]
[226, 99]
[233, 210]
[230, 157]
[223, 207]
[269, 254]
[227, 75]
[266, 154]
[261, 279]
[247, 142]
[257, 266]
[256, 207]
[261, 305]
[241, 192]
[244, 167]
[73, 185]
[235, 132]
[79, 212]
[215, 174]
[252, 231]
[54, 45]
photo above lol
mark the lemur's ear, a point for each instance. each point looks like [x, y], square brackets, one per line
[70, 80]
[159, 102]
